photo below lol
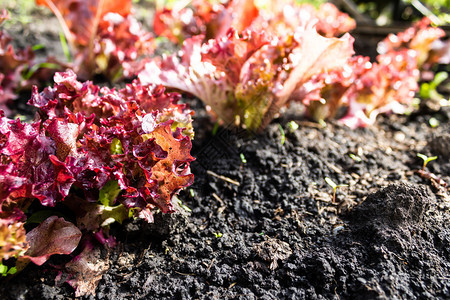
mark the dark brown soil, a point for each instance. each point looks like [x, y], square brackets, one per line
[387, 236]
[272, 231]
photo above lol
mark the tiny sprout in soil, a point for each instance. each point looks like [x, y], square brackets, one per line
[355, 157]
[434, 122]
[334, 186]
[5, 271]
[216, 127]
[292, 126]
[218, 235]
[428, 90]
[426, 159]
[182, 205]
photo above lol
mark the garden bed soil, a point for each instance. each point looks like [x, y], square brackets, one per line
[259, 221]
[267, 228]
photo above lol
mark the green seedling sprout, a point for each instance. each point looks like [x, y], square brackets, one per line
[334, 186]
[37, 47]
[322, 123]
[292, 126]
[355, 157]
[215, 128]
[183, 206]
[244, 161]
[434, 122]
[429, 90]
[426, 159]
[218, 234]
[5, 271]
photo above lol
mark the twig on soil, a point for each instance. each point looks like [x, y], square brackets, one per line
[141, 256]
[211, 264]
[223, 205]
[125, 276]
[431, 176]
[223, 178]
[185, 274]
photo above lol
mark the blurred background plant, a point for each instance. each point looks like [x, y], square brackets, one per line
[22, 9]
[386, 12]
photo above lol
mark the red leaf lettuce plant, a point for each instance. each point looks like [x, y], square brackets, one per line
[247, 77]
[274, 56]
[365, 89]
[106, 154]
[423, 38]
[181, 21]
[103, 35]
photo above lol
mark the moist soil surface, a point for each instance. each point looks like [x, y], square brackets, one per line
[259, 222]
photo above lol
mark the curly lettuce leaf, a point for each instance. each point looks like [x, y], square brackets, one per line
[53, 236]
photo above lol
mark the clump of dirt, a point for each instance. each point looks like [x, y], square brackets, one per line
[396, 205]
[401, 234]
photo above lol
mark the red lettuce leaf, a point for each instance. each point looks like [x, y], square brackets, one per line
[52, 181]
[42, 174]
[101, 135]
[388, 86]
[326, 94]
[363, 89]
[53, 236]
[314, 54]
[332, 22]
[170, 173]
[201, 69]
[10, 183]
[118, 48]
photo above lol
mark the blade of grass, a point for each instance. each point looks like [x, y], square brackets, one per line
[65, 47]
[36, 67]
[38, 47]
